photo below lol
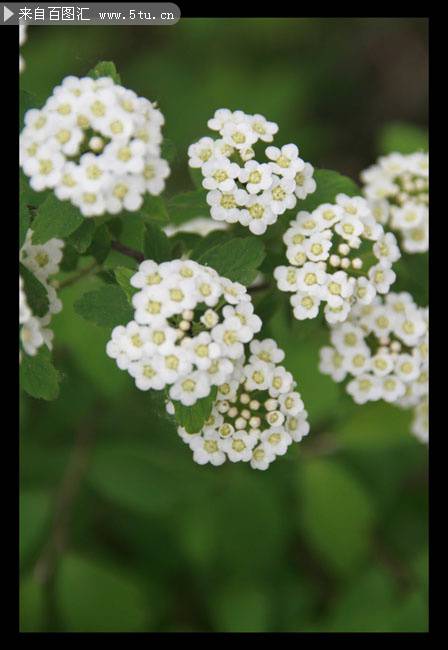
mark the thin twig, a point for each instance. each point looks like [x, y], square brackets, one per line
[46, 564]
[78, 276]
[130, 252]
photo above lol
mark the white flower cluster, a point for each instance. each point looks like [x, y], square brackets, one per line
[241, 189]
[190, 326]
[257, 413]
[96, 144]
[383, 349]
[397, 188]
[22, 40]
[321, 249]
[43, 261]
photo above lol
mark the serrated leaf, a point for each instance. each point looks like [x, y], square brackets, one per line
[82, 237]
[209, 241]
[95, 597]
[183, 243]
[38, 376]
[36, 293]
[154, 209]
[156, 245]
[328, 184]
[70, 259]
[55, 219]
[107, 306]
[337, 514]
[402, 138]
[188, 205]
[193, 417]
[105, 69]
[237, 259]
[123, 277]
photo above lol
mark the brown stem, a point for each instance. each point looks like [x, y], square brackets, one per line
[130, 252]
[74, 278]
[45, 568]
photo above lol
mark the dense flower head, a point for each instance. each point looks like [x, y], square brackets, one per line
[43, 260]
[397, 188]
[382, 349]
[96, 144]
[189, 329]
[256, 416]
[339, 255]
[240, 188]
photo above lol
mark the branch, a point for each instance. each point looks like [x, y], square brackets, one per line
[45, 568]
[74, 278]
[125, 250]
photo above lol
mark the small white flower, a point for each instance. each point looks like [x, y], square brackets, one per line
[305, 305]
[286, 161]
[305, 183]
[331, 363]
[188, 390]
[207, 449]
[382, 277]
[220, 174]
[256, 177]
[257, 214]
[365, 388]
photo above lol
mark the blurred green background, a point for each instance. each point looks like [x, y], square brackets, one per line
[120, 530]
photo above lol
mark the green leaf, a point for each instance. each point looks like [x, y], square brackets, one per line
[156, 245]
[107, 306]
[209, 241]
[55, 219]
[105, 69]
[328, 185]
[82, 237]
[70, 259]
[123, 277]
[237, 259]
[197, 177]
[100, 246]
[24, 222]
[183, 243]
[188, 205]
[34, 516]
[28, 196]
[337, 514]
[36, 293]
[193, 417]
[402, 138]
[154, 209]
[38, 377]
[132, 478]
[96, 597]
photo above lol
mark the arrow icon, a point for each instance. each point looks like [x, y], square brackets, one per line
[7, 13]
